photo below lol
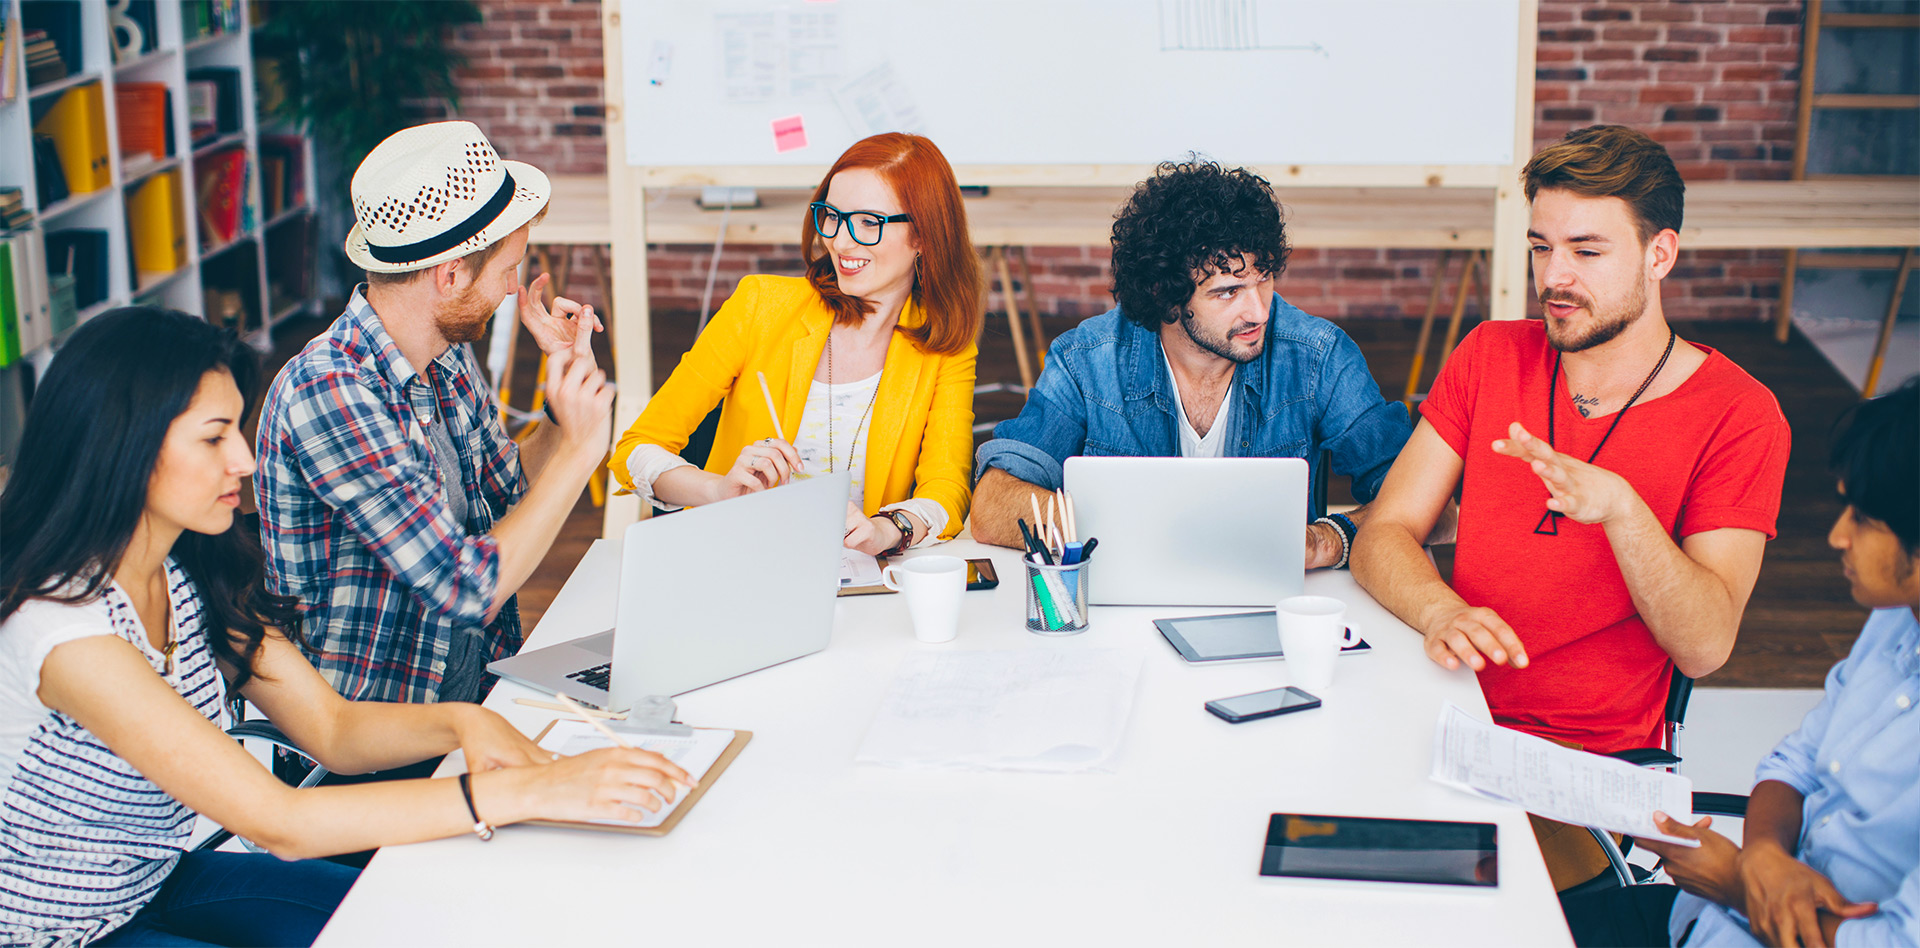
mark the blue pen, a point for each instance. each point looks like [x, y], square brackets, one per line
[1070, 554]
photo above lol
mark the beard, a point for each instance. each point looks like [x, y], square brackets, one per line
[465, 319]
[1607, 324]
[1222, 345]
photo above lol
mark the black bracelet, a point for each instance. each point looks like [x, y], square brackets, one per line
[548, 408]
[480, 826]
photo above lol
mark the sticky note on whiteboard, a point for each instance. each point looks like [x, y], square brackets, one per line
[789, 133]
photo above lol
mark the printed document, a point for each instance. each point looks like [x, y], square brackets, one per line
[694, 753]
[858, 569]
[1036, 709]
[1556, 782]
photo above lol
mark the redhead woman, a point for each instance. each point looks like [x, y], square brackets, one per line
[868, 359]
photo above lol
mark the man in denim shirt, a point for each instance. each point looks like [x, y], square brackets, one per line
[1200, 359]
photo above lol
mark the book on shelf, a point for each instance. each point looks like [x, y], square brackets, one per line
[220, 181]
[144, 113]
[201, 18]
[50, 31]
[213, 102]
[283, 168]
[14, 214]
[82, 253]
[77, 123]
[156, 227]
[25, 323]
[50, 181]
[9, 50]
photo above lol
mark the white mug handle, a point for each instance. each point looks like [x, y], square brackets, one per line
[887, 580]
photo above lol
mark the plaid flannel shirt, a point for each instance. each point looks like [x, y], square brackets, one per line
[352, 514]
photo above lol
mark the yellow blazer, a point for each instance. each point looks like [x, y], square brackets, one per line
[919, 441]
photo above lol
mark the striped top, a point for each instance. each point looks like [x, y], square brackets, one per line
[85, 840]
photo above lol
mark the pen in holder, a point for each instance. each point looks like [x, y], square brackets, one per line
[1056, 597]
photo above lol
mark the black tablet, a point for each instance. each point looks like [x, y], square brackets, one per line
[1237, 637]
[1381, 850]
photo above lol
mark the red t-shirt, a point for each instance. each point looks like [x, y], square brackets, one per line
[1710, 454]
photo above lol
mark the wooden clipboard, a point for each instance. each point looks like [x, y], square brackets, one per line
[740, 739]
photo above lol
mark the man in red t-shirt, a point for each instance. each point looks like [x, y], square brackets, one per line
[1617, 484]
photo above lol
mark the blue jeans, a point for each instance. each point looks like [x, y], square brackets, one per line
[214, 898]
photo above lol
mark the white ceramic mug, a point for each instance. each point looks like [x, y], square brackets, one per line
[933, 586]
[1312, 631]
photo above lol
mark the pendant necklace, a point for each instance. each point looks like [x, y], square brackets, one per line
[1550, 521]
[832, 407]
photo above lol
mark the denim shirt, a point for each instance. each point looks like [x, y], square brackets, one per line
[1856, 760]
[1106, 391]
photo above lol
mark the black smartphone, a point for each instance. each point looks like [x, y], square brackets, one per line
[980, 574]
[1262, 704]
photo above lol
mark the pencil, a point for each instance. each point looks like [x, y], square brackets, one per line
[552, 706]
[581, 713]
[775, 412]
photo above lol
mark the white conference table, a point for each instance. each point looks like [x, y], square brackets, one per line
[797, 844]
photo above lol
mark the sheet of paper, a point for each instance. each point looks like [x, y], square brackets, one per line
[1556, 782]
[858, 569]
[695, 754]
[876, 102]
[750, 51]
[814, 51]
[1047, 710]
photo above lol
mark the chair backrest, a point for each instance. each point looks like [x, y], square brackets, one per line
[1679, 692]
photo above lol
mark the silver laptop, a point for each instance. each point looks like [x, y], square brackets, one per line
[1192, 531]
[708, 594]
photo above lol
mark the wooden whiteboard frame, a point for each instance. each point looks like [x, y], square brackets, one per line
[627, 186]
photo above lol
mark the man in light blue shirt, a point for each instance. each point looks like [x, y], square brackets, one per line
[1832, 848]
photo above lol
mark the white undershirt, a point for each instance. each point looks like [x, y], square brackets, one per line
[1192, 445]
[849, 409]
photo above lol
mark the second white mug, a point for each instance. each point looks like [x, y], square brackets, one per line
[1312, 631]
[933, 586]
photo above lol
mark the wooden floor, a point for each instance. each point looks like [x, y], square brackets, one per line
[1799, 622]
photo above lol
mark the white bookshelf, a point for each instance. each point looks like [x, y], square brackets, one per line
[242, 263]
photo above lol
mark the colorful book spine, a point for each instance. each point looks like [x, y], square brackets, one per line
[78, 126]
[159, 233]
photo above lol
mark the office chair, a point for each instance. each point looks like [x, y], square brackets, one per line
[1623, 873]
[262, 731]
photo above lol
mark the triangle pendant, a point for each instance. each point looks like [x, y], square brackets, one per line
[1549, 524]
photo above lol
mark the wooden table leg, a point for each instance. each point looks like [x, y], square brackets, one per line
[1477, 258]
[1426, 327]
[1886, 325]
[998, 257]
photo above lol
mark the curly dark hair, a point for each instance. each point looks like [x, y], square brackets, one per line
[1191, 216]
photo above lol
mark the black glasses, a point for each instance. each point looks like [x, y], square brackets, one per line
[865, 227]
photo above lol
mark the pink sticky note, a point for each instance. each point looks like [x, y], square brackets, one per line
[789, 133]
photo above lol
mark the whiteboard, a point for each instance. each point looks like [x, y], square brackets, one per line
[1073, 82]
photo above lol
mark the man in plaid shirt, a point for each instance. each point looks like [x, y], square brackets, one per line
[392, 502]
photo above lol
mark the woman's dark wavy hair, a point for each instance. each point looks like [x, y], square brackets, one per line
[1876, 456]
[92, 438]
[1191, 216]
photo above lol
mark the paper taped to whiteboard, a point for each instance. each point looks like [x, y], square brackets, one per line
[877, 102]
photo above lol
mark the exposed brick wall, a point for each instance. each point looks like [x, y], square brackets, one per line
[1716, 81]
[534, 80]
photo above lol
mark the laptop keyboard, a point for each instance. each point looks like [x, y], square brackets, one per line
[595, 677]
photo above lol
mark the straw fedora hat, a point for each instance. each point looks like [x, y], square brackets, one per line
[438, 192]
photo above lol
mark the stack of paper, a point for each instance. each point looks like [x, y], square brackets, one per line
[1046, 710]
[1556, 782]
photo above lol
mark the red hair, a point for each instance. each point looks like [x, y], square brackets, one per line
[946, 282]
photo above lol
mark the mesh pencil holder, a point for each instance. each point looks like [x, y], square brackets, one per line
[1056, 597]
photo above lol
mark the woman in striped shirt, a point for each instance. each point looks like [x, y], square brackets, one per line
[130, 604]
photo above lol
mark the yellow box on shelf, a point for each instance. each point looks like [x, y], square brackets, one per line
[78, 125]
[158, 224]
